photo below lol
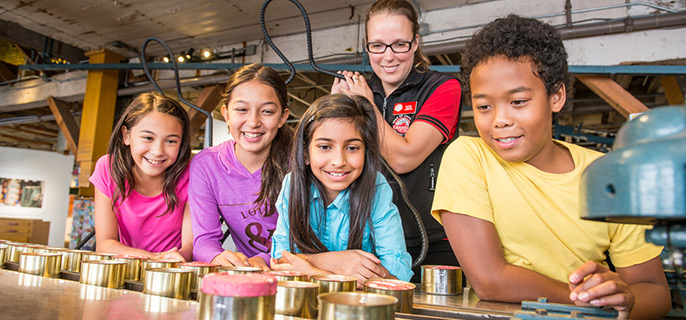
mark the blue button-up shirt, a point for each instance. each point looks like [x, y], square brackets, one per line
[332, 226]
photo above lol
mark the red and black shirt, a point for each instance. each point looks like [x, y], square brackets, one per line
[433, 98]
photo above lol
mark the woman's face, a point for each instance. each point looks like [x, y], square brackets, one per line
[254, 116]
[392, 68]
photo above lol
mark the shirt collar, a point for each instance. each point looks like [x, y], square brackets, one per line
[413, 78]
[340, 200]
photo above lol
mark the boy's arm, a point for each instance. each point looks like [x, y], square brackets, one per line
[640, 290]
[477, 247]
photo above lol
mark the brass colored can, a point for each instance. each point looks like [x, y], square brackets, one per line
[199, 269]
[356, 306]
[91, 255]
[13, 251]
[133, 266]
[3, 251]
[239, 270]
[168, 282]
[443, 280]
[334, 283]
[40, 264]
[204, 302]
[103, 273]
[297, 299]
[156, 264]
[71, 260]
[287, 275]
[402, 290]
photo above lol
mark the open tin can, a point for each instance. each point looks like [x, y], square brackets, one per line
[334, 283]
[199, 269]
[133, 265]
[239, 269]
[287, 275]
[40, 264]
[297, 299]
[168, 282]
[402, 290]
[356, 306]
[71, 259]
[157, 263]
[14, 249]
[103, 273]
[443, 280]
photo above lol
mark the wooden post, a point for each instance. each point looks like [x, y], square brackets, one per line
[98, 114]
[613, 94]
[66, 122]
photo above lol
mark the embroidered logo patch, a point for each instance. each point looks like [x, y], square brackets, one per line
[405, 107]
[401, 124]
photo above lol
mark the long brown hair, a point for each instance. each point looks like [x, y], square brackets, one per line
[121, 161]
[406, 9]
[275, 166]
[360, 112]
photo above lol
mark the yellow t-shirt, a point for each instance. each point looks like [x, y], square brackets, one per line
[535, 213]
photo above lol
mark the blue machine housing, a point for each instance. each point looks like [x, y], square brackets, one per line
[643, 180]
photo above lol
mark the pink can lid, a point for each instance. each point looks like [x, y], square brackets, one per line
[239, 285]
[285, 273]
[389, 285]
[197, 264]
[442, 267]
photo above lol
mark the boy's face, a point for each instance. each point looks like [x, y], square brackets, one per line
[512, 110]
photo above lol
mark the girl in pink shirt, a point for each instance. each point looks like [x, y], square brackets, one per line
[141, 184]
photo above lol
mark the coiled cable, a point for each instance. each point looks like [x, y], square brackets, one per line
[208, 122]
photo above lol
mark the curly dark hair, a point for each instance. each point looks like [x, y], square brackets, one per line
[517, 37]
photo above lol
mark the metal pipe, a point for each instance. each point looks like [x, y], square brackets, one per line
[587, 30]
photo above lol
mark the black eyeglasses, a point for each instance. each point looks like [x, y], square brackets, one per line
[397, 47]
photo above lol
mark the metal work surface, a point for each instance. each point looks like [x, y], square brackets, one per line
[27, 296]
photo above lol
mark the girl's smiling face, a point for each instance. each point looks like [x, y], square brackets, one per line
[154, 143]
[254, 115]
[336, 155]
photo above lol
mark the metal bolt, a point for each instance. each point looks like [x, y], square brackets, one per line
[543, 300]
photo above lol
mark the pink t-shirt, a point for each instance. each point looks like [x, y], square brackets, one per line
[142, 224]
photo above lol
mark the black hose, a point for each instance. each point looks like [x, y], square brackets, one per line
[401, 184]
[208, 122]
[291, 68]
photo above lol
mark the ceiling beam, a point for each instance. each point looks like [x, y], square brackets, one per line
[66, 122]
[42, 133]
[21, 139]
[311, 82]
[207, 100]
[613, 94]
[36, 41]
[672, 90]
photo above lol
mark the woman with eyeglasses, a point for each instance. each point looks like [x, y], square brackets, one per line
[418, 112]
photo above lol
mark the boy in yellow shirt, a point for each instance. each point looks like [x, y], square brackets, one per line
[509, 200]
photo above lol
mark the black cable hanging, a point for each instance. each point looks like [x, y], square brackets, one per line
[403, 189]
[208, 122]
[291, 68]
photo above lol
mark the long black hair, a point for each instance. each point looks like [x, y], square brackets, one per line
[275, 166]
[359, 111]
[121, 162]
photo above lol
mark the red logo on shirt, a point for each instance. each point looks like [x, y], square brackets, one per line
[405, 107]
[401, 124]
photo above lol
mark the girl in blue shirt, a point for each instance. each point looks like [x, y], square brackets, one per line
[345, 219]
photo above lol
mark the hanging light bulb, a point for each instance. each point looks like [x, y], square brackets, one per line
[165, 59]
[181, 59]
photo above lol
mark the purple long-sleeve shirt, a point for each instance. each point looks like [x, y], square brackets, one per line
[220, 185]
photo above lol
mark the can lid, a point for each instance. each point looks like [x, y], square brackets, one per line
[239, 285]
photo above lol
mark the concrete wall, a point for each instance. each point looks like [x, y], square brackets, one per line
[55, 170]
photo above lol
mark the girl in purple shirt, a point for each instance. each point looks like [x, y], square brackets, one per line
[239, 180]
[141, 184]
